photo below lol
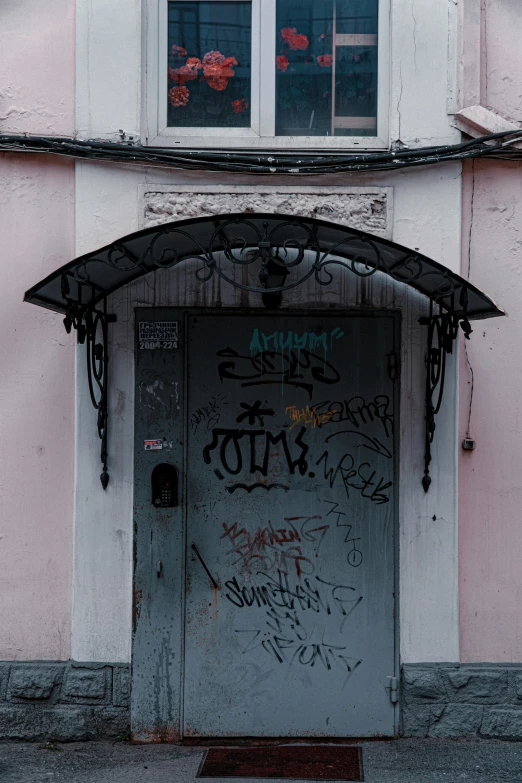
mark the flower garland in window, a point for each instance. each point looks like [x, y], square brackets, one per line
[294, 39]
[178, 96]
[324, 60]
[282, 62]
[300, 42]
[217, 71]
[299, 56]
[239, 106]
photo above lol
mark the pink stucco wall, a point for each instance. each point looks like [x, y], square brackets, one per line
[37, 67]
[501, 67]
[36, 357]
[490, 479]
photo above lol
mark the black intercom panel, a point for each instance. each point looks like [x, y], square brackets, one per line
[164, 484]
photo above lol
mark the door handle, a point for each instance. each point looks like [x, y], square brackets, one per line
[194, 547]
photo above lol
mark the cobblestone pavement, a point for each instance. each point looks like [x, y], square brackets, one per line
[401, 761]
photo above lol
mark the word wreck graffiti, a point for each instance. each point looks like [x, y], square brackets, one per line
[358, 412]
[270, 548]
[353, 476]
[254, 449]
[299, 369]
[279, 341]
[308, 416]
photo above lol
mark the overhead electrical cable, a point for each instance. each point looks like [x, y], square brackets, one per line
[295, 162]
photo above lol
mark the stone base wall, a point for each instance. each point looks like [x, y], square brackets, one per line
[462, 700]
[67, 701]
[64, 701]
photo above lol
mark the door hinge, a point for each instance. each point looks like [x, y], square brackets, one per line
[394, 689]
[393, 366]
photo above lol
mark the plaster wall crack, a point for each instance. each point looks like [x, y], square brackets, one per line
[399, 101]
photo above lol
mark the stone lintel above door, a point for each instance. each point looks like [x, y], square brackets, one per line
[366, 209]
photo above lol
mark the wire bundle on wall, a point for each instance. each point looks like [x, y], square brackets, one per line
[496, 146]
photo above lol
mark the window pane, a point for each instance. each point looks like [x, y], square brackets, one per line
[209, 64]
[326, 67]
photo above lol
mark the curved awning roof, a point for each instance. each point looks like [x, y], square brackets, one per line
[278, 252]
[281, 252]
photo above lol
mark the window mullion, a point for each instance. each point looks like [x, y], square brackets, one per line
[267, 86]
[256, 111]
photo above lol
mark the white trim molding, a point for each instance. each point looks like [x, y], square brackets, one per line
[425, 215]
[112, 93]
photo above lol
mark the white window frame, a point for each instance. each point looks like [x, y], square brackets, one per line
[261, 134]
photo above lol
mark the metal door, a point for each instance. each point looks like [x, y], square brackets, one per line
[291, 488]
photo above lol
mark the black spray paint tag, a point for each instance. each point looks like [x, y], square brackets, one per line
[158, 334]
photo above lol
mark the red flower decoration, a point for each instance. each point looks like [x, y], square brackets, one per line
[178, 96]
[178, 51]
[187, 72]
[218, 83]
[282, 62]
[239, 105]
[294, 39]
[217, 70]
[324, 60]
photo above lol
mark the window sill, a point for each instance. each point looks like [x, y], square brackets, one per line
[306, 143]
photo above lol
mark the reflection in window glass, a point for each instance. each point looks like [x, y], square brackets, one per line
[209, 67]
[326, 67]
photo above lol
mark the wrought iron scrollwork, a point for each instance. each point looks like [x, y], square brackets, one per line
[91, 326]
[281, 253]
[443, 331]
[279, 262]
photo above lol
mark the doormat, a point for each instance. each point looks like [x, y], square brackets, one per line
[290, 762]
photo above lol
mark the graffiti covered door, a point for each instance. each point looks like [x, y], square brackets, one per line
[291, 489]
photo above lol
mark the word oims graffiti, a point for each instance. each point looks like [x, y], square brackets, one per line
[254, 449]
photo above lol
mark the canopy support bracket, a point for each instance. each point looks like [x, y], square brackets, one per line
[443, 330]
[91, 327]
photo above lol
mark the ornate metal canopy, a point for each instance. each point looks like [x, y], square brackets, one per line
[256, 240]
[280, 252]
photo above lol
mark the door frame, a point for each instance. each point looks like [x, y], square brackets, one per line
[167, 722]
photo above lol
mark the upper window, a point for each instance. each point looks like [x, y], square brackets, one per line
[209, 64]
[261, 73]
